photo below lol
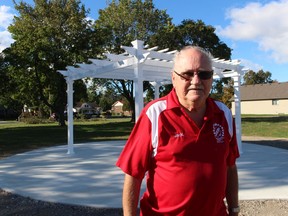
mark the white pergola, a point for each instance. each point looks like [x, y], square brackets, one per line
[141, 63]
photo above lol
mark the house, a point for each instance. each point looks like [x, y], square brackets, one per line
[117, 109]
[271, 98]
[88, 109]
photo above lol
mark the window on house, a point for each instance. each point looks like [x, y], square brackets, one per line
[275, 102]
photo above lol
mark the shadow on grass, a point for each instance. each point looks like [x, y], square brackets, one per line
[277, 143]
[265, 119]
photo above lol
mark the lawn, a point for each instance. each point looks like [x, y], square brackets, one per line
[265, 126]
[17, 137]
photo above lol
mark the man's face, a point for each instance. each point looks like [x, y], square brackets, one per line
[193, 91]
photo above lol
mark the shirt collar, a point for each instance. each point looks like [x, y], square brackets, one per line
[173, 102]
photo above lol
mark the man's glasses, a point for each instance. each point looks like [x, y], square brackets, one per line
[203, 75]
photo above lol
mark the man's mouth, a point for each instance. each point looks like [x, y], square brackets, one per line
[195, 89]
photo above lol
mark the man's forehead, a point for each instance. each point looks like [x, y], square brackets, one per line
[192, 59]
[191, 53]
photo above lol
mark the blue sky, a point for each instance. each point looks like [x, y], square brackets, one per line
[257, 31]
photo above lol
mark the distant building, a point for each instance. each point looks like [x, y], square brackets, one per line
[260, 99]
[88, 109]
[117, 109]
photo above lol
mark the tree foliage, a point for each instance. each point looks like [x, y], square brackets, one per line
[51, 34]
[48, 36]
[124, 21]
[127, 20]
[10, 107]
[261, 77]
[191, 32]
[228, 92]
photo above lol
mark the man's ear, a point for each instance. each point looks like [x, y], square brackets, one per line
[172, 77]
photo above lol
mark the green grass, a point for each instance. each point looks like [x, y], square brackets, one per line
[18, 137]
[265, 126]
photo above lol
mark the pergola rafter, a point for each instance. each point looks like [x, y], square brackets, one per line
[141, 63]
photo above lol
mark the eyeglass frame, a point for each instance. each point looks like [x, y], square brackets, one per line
[199, 74]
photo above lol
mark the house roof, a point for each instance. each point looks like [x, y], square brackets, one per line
[80, 104]
[117, 103]
[264, 91]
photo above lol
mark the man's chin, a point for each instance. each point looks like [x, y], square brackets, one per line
[195, 98]
[195, 94]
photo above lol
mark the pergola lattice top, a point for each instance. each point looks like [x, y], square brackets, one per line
[139, 63]
[156, 65]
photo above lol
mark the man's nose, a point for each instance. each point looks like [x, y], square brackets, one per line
[195, 79]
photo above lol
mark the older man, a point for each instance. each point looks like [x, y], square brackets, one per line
[186, 143]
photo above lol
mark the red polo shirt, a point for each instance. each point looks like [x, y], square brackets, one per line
[186, 166]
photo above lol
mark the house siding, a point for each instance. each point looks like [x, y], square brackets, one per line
[262, 107]
[258, 99]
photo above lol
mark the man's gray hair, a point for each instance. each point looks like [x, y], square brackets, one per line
[200, 49]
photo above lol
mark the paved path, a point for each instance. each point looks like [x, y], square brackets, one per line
[263, 172]
[90, 178]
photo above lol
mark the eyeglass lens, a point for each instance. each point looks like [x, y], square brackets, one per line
[203, 75]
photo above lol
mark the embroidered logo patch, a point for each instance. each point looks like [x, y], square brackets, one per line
[218, 132]
[177, 135]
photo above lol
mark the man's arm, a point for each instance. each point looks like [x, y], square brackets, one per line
[232, 189]
[131, 191]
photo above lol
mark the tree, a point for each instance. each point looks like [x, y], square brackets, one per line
[195, 33]
[7, 88]
[107, 99]
[4, 79]
[127, 20]
[228, 92]
[93, 95]
[48, 36]
[124, 21]
[261, 77]
[191, 32]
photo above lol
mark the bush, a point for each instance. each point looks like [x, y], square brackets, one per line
[35, 120]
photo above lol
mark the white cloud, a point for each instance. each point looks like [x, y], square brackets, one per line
[251, 65]
[6, 18]
[265, 24]
[6, 40]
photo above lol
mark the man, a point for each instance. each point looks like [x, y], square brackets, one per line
[186, 142]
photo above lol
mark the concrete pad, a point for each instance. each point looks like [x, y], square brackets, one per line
[90, 177]
[263, 172]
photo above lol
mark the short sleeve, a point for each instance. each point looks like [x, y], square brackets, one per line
[137, 152]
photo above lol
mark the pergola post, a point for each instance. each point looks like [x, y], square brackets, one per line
[138, 89]
[156, 86]
[138, 82]
[237, 98]
[70, 129]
